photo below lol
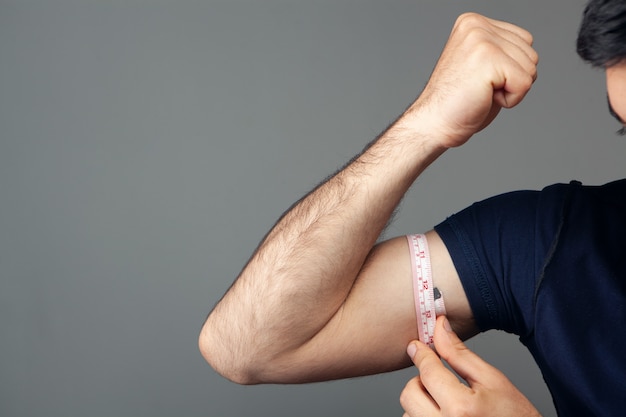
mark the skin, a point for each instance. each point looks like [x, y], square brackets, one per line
[320, 299]
[616, 88]
[488, 392]
[317, 282]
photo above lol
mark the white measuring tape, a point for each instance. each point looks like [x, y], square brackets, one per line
[428, 299]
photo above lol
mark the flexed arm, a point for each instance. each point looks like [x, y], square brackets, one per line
[317, 281]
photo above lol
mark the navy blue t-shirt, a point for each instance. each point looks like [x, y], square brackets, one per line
[550, 266]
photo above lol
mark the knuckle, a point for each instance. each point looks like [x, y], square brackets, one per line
[404, 396]
[480, 44]
[465, 407]
[428, 368]
[469, 20]
[473, 407]
[459, 350]
[527, 36]
[407, 392]
[525, 83]
[535, 57]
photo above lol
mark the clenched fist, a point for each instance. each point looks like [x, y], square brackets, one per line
[486, 65]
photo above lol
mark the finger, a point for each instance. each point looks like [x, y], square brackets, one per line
[525, 57]
[520, 32]
[416, 401]
[520, 52]
[466, 363]
[512, 76]
[515, 37]
[471, 20]
[513, 85]
[528, 50]
[440, 383]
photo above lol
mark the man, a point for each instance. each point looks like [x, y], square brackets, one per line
[320, 299]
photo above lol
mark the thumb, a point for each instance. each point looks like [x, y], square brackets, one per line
[466, 363]
[434, 376]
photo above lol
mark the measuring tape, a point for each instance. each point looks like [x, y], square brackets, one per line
[428, 299]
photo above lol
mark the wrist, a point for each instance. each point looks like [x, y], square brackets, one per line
[427, 121]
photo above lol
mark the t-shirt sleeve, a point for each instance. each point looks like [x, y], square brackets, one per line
[498, 247]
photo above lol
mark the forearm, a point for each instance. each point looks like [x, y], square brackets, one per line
[292, 296]
[302, 272]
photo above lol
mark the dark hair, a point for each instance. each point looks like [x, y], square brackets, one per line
[602, 33]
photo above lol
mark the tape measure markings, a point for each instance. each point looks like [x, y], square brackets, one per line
[428, 299]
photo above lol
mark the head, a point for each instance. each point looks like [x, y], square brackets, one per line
[602, 43]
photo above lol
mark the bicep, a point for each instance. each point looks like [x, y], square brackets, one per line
[370, 332]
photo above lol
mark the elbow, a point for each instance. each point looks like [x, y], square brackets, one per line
[225, 358]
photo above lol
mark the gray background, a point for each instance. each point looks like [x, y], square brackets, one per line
[146, 147]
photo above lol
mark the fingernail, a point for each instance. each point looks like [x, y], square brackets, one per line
[446, 325]
[411, 350]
